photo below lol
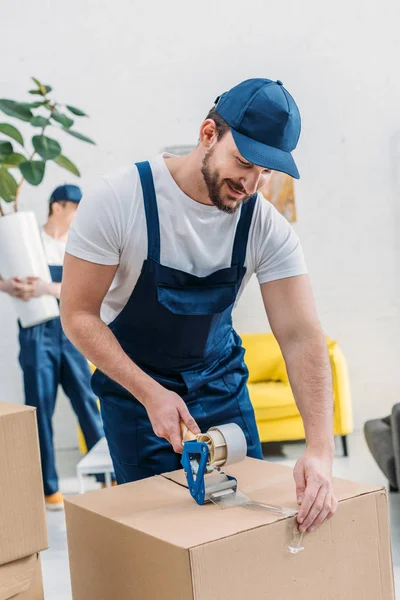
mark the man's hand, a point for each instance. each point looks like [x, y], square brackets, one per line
[39, 287]
[313, 477]
[18, 288]
[166, 410]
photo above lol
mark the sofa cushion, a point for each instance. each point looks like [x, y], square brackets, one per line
[272, 401]
[264, 358]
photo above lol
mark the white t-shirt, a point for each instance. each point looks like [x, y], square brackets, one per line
[54, 249]
[110, 228]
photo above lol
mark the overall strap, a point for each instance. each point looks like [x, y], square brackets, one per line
[150, 206]
[56, 272]
[242, 232]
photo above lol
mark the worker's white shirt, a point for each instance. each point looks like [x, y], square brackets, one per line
[54, 249]
[110, 228]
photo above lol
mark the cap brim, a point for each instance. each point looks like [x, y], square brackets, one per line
[265, 156]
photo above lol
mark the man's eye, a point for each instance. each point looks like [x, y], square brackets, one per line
[243, 163]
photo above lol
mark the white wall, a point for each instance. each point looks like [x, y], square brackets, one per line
[148, 72]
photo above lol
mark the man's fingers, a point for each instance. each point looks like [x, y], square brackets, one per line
[175, 434]
[166, 417]
[334, 508]
[170, 430]
[188, 419]
[176, 442]
[327, 512]
[323, 515]
[310, 496]
[315, 510]
[22, 288]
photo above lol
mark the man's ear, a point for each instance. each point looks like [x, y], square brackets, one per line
[208, 133]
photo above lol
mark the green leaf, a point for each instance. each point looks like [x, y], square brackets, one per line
[32, 104]
[46, 147]
[11, 132]
[47, 89]
[38, 92]
[33, 171]
[8, 185]
[39, 121]
[63, 119]
[37, 82]
[15, 109]
[76, 111]
[5, 148]
[64, 162]
[79, 136]
[12, 160]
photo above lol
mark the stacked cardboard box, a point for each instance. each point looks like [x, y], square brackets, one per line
[23, 532]
[149, 540]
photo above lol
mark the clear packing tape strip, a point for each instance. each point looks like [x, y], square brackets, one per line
[231, 498]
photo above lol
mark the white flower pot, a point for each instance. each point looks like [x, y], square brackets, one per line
[22, 255]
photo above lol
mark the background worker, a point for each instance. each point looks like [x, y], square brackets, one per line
[48, 359]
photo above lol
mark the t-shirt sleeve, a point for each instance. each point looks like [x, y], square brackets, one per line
[278, 252]
[96, 234]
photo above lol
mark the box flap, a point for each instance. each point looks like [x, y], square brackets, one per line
[22, 516]
[274, 482]
[164, 510]
[17, 576]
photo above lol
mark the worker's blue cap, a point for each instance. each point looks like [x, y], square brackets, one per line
[265, 123]
[69, 192]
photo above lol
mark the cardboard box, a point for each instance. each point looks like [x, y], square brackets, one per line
[149, 540]
[23, 531]
[22, 579]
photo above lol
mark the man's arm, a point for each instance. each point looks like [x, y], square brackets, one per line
[83, 289]
[291, 311]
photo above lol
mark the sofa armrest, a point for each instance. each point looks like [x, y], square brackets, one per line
[343, 412]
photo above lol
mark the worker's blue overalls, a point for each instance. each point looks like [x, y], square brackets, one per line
[177, 327]
[48, 359]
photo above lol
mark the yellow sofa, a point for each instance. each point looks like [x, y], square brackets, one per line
[276, 412]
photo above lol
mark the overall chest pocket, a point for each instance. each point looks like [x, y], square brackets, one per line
[197, 300]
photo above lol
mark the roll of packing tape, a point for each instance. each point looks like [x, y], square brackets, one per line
[216, 443]
[233, 449]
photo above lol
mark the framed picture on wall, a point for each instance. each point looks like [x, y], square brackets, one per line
[280, 192]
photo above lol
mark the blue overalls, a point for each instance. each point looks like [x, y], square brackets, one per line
[177, 327]
[48, 359]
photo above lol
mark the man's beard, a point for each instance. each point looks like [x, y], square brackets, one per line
[214, 185]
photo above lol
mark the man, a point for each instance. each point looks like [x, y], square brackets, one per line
[156, 259]
[47, 357]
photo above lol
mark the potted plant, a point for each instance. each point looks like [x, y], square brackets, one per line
[21, 250]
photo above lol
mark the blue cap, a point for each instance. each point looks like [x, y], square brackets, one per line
[265, 123]
[69, 192]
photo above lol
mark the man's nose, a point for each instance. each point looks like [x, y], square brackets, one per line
[251, 183]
